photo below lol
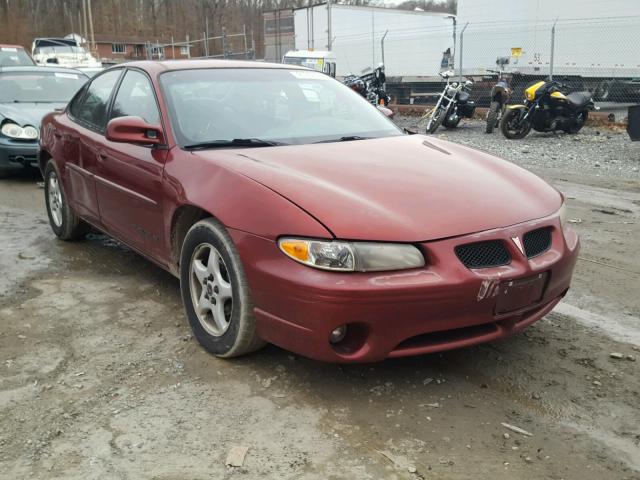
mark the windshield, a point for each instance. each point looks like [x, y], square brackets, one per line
[14, 57]
[313, 63]
[46, 87]
[58, 49]
[274, 105]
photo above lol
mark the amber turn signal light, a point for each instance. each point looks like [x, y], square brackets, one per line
[296, 249]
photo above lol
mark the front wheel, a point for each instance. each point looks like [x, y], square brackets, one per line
[580, 121]
[215, 292]
[437, 116]
[512, 126]
[64, 222]
[451, 121]
[493, 116]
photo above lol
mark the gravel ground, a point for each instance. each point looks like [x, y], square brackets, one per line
[600, 152]
[101, 379]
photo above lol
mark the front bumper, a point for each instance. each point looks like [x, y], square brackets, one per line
[439, 307]
[17, 155]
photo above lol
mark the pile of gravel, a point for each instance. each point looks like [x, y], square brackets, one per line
[593, 151]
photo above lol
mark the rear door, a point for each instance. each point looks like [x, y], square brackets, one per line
[129, 176]
[84, 139]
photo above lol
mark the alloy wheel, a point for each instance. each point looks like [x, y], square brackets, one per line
[211, 289]
[55, 200]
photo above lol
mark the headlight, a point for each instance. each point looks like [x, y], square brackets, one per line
[13, 130]
[352, 256]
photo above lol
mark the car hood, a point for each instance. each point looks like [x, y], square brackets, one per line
[28, 113]
[406, 188]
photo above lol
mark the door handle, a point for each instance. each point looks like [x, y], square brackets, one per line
[102, 156]
[57, 134]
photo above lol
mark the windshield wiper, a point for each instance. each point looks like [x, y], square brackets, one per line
[349, 138]
[236, 142]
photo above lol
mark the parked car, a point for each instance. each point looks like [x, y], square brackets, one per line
[26, 95]
[294, 213]
[63, 52]
[14, 56]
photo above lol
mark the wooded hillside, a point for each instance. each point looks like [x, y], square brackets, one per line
[22, 20]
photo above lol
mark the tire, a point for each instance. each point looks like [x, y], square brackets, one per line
[212, 276]
[576, 127]
[492, 116]
[506, 125]
[64, 222]
[436, 119]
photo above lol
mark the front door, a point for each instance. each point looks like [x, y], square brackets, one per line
[88, 112]
[129, 176]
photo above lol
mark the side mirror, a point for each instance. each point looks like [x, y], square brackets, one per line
[134, 130]
[387, 111]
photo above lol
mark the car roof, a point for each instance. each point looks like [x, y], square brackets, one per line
[159, 66]
[38, 68]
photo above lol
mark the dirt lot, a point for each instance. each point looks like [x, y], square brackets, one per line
[100, 377]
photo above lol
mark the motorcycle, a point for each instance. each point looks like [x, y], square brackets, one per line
[453, 104]
[500, 95]
[371, 86]
[547, 109]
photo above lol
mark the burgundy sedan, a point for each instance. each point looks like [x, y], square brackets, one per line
[296, 213]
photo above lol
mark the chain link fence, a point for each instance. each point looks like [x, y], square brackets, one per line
[229, 46]
[599, 55]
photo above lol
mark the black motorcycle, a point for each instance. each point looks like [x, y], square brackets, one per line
[370, 85]
[547, 109]
[500, 95]
[453, 103]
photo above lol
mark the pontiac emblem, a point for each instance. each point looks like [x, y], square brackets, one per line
[518, 244]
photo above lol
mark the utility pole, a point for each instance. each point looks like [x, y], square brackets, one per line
[93, 40]
[85, 32]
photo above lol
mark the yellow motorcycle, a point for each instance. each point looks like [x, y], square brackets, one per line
[547, 109]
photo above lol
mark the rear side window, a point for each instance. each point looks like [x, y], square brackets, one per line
[77, 101]
[135, 97]
[95, 104]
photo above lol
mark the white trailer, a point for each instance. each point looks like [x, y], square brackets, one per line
[414, 42]
[593, 38]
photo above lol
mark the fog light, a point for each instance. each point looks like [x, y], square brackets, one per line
[338, 334]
